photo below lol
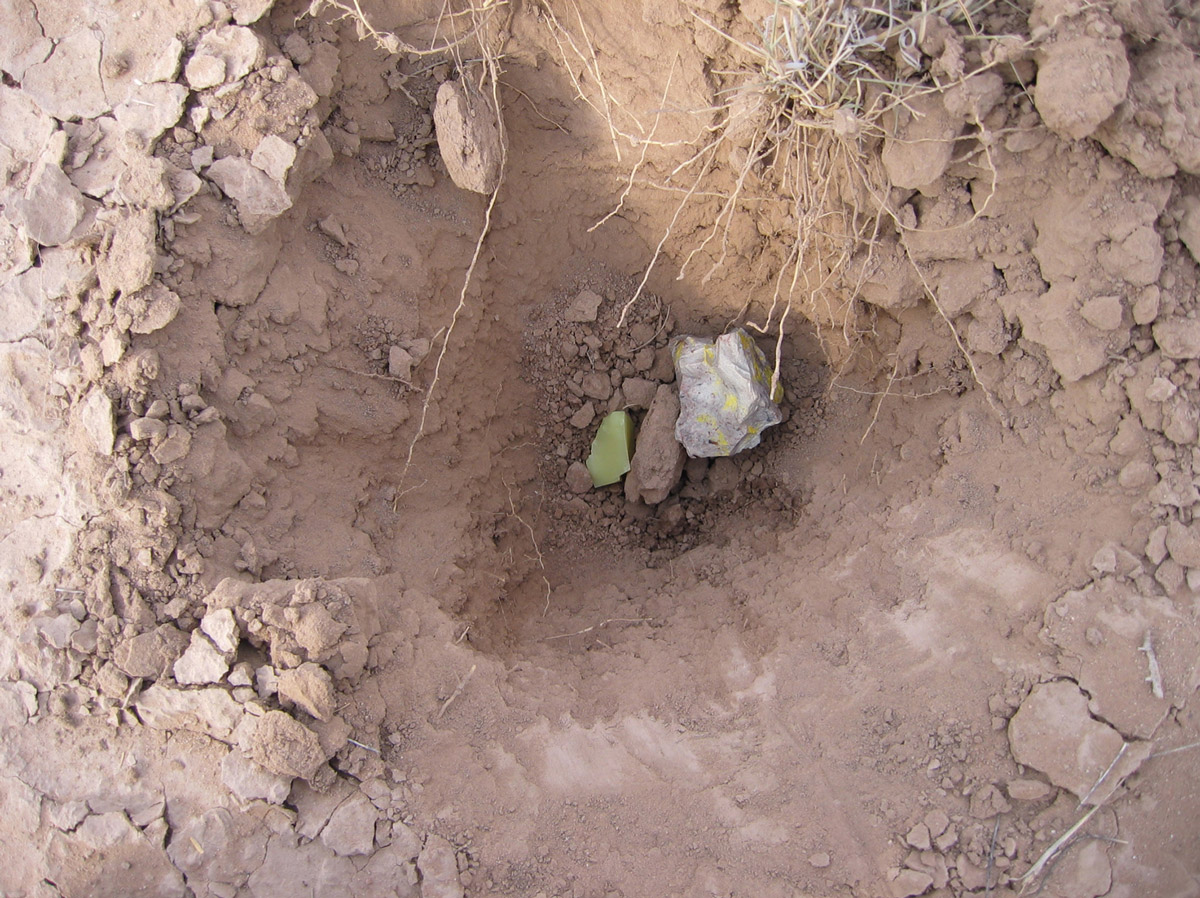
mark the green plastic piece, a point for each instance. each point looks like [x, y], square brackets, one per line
[612, 449]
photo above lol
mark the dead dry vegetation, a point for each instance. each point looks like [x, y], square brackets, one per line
[309, 317]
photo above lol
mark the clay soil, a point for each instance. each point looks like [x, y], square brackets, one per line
[299, 595]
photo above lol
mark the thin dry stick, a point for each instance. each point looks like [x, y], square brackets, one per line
[1104, 775]
[1054, 849]
[1171, 751]
[458, 690]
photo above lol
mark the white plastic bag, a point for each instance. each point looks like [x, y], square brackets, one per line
[725, 400]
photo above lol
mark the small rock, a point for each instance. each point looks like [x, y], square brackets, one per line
[238, 49]
[1183, 543]
[1156, 544]
[579, 479]
[351, 829]
[988, 802]
[1080, 82]
[1171, 576]
[1027, 790]
[242, 674]
[150, 309]
[297, 48]
[1137, 475]
[150, 655]
[247, 11]
[283, 745]
[400, 363]
[210, 712]
[201, 664]
[1145, 309]
[275, 157]
[175, 447]
[266, 681]
[638, 392]
[1179, 338]
[936, 822]
[468, 137]
[96, 415]
[910, 883]
[1189, 227]
[584, 309]
[1103, 312]
[918, 837]
[597, 385]
[658, 458]
[249, 782]
[309, 688]
[820, 860]
[439, 870]
[1105, 560]
[147, 429]
[203, 72]
[222, 628]
[585, 416]
[259, 199]
[201, 158]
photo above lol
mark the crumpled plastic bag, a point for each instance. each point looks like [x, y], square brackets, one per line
[725, 400]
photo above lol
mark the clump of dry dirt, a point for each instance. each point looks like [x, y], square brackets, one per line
[306, 592]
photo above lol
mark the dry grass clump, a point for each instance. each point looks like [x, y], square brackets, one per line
[802, 116]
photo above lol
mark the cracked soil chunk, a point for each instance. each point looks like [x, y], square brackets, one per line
[1053, 732]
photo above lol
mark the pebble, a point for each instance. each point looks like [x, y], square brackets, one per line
[918, 837]
[584, 309]
[1179, 338]
[147, 428]
[579, 480]
[584, 416]
[597, 385]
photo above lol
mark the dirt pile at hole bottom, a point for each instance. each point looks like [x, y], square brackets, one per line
[256, 640]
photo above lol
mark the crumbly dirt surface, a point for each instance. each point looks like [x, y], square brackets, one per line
[302, 596]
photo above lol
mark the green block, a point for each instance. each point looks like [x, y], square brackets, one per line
[611, 449]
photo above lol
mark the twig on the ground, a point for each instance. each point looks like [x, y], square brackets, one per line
[1053, 850]
[458, 690]
[374, 376]
[1104, 775]
[1171, 751]
[991, 860]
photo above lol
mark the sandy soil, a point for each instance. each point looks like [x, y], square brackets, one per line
[303, 595]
